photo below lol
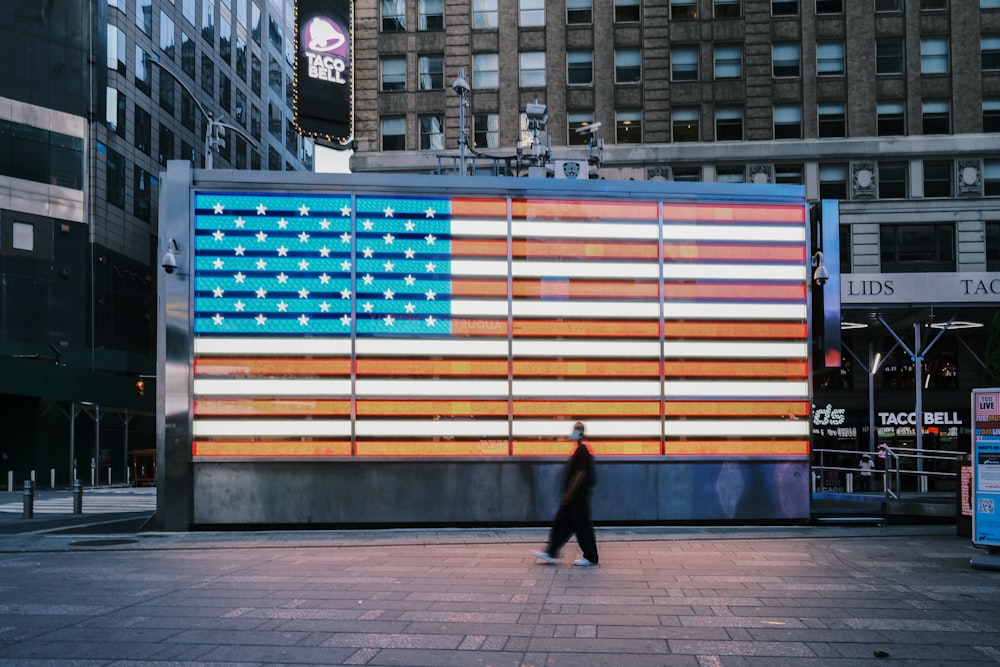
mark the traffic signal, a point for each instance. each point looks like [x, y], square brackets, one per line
[140, 387]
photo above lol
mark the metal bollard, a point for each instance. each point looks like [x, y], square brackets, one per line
[77, 497]
[29, 499]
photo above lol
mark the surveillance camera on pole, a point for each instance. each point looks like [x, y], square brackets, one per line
[588, 129]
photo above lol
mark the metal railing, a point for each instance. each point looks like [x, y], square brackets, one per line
[891, 465]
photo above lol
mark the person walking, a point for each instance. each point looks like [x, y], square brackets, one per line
[573, 516]
[866, 472]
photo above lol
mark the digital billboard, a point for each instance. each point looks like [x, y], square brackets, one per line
[379, 324]
[986, 467]
[323, 99]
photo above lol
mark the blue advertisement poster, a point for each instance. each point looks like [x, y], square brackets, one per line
[986, 467]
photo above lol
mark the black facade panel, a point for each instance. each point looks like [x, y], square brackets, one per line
[324, 69]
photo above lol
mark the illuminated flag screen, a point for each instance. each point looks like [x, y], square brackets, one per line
[360, 325]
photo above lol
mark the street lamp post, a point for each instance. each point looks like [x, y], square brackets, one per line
[214, 138]
[461, 86]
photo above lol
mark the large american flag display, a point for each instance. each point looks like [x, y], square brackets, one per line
[361, 325]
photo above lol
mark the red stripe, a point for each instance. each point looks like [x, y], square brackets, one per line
[737, 253]
[734, 213]
[712, 292]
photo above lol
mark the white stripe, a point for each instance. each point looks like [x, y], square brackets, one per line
[478, 428]
[586, 388]
[388, 347]
[707, 271]
[728, 232]
[736, 311]
[272, 387]
[419, 388]
[745, 427]
[323, 428]
[734, 350]
[579, 229]
[730, 388]
[588, 309]
[252, 346]
[597, 429]
[479, 227]
[479, 267]
[586, 348]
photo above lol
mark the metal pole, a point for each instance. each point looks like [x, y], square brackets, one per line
[77, 497]
[918, 375]
[95, 481]
[871, 396]
[209, 124]
[463, 134]
[72, 441]
[29, 499]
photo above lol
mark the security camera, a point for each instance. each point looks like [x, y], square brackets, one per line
[460, 85]
[588, 129]
[821, 275]
[169, 261]
[535, 111]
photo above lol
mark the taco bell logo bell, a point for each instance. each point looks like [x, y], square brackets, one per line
[325, 45]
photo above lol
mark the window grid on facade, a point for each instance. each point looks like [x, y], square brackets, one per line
[683, 10]
[725, 9]
[729, 124]
[531, 13]
[889, 55]
[684, 125]
[785, 60]
[577, 120]
[829, 6]
[684, 63]
[393, 73]
[628, 127]
[991, 115]
[431, 72]
[993, 235]
[990, 52]
[628, 66]
[833, 181]
[532, 69]
[832, 120]
[431, 133]
[393, 134]
[787, 121]
[888, 5]
[485, 14]
[580, 11]
[393, 15]
[485, 71]
[430, 15]
[937, 178]
[891, 120]
[626, 11]
[917, 248]
[728, 61]
[892, 180]
[580, 68]
[934, 55]
[486, 130]
[829, 58]
[784, 7]
[936, 117]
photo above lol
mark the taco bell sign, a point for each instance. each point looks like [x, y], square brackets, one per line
[323, 77]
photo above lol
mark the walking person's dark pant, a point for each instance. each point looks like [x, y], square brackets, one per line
[573, 518]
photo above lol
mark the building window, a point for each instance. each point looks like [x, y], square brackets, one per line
[931, 5]
[728, 61]
[484, 14]
[991, 188]
[393, 73]
[627, 11]
[485, 70]
[581, 11]
[531, 13]
[188, 54]
[144, 16]
[225, 39]
[989, 4]
[888, 5]
[832, 119]
[934, 55]
[274, 73]
[892, 180]
[115, 112]
[683, 10]
[431, 133]
[937, 178]
[393, 15]
[785, 60]
[255, 122]
[991, 115]
[142, 197]
[684, 63]
[829, 58]
[993, 246]
[115, 163]
[990, 48]
[729, 124]
[577, 121]
[784, 7]
[788, 174]
[431, 15]
[833, 181]
[889, 55]
[23, 236]
[924, 248]
[225, 92]
[486, 130]
[166, 95]
[532, 69]
[936, 117]
[787, 121]
[829, 6]
[394, 134]
[255, 74]
[431, 70]
[166, 145]
[730, 175]
[208, 74]
[686, 175]
[168, 41]
[208, 22]
[143, 130]
[580, 68]
[628, 127]
[891, 119]
[684, 125]
[727, 9]
[116, 49]
[628, 66]
[274, 121]
[143, 74]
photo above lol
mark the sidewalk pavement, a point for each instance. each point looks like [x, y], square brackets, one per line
[665, 595]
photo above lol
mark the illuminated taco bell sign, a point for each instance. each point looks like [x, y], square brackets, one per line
[323, 77]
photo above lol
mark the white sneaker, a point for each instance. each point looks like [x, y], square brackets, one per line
[583, 562]
[541, 555]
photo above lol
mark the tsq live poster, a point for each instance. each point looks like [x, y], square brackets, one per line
[986, 466]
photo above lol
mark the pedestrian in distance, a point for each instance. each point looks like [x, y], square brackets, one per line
[866, 472]
[573, 515]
